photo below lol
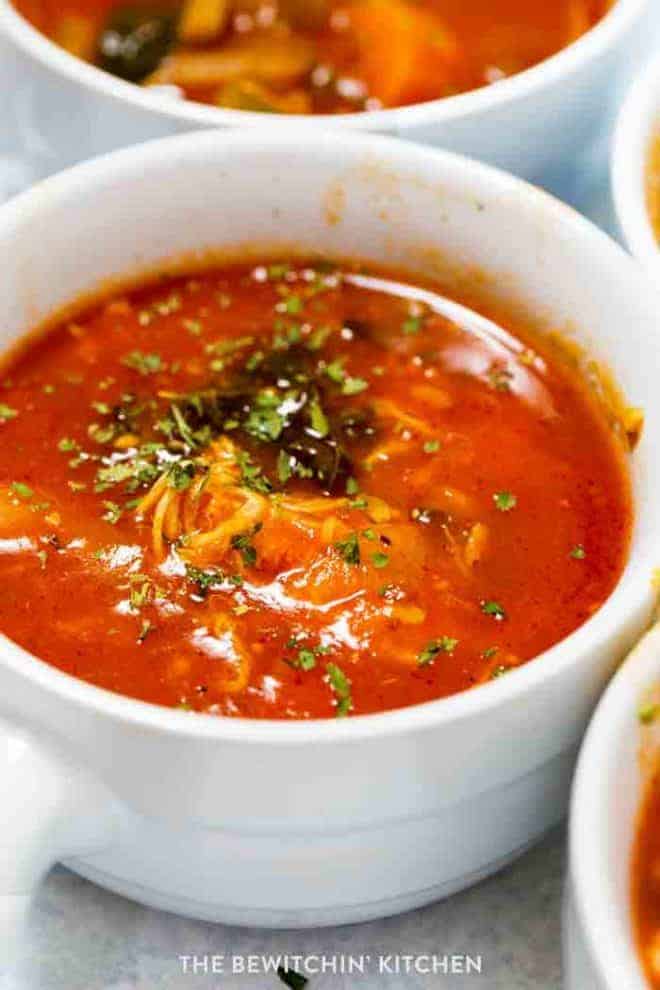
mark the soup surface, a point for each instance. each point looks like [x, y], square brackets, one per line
[300, 491]
[646, 884]
[314, 56]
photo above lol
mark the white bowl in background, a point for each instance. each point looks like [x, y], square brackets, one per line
[637, 125]
[541, 123]
[610, 783]
[319, 822]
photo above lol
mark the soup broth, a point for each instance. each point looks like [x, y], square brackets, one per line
[646, 885]
[653, 186]
[314, 56]
[300, 491]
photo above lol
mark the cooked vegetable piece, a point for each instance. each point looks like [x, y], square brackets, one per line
[203, 20]
[274, 61]
[135, 41]
[77, 35]
[246, 94]
[421, 59]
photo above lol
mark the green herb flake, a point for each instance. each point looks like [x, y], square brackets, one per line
[113, 512]
[141, 591]
[352, 487]
[349, 549]
[283, 467]
[578, 552]
[144, 364]
[648, 713]
[431, 446]
[194, 327]
[505, 501]
[205, 578]
[353, 386]
[242, 542]
[379, 559]
[291, 979]
[293, 305]
[446, 644]
[66, 445]
[6, 412]
[22, 490]
[306, 659]
[335, 371]
[318, 419]
[494, 609]
[341, 687]
[412, 325]
[146, 628]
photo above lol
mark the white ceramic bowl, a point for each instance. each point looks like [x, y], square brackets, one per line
[538, 124]
[610, 782]
[295, 824]
[637, 125]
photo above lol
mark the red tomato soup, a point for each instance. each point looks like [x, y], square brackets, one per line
[646, 885]
[314, 56]
[299, 491]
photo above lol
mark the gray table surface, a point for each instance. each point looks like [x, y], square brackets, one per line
[83, 938]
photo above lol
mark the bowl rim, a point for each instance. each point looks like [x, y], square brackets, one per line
[589, 47]
[611, 947]
[638, 117]
[631, 592]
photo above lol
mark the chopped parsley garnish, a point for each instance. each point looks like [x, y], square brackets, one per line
[493, 609]
[349, 385]
[349, 549]
[22, 490]
[353, 386]
[412, 325]
[490, 652]
[578, 552]
[431, 446]
[335, 371]
[264, 421]
[352, 487]
[113, 512]
[242, 542]
[181, 474]
[446, 644]
[66, 445]
[291, 979]
[204, 578]
[341, 687]
[505, 501]
[648, 713]
[252, 475]
[306, 656]
[500, 379]
[318, 419]
[141, 591]
[144, 364]
[6, 412]
[145, 629]
[380, 559]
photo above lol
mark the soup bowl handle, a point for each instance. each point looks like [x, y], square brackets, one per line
[51, 809]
